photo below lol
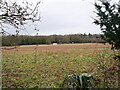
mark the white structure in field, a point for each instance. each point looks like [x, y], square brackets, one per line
[54, 43]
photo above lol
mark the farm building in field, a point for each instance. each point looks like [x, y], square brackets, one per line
[54, 43]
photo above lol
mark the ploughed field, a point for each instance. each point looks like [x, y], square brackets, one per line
[46, 66]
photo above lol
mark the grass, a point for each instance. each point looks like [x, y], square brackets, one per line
[46, 66]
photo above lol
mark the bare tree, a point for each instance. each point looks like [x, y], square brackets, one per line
[15, 14]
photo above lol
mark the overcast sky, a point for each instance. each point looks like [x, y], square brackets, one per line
[65, 17]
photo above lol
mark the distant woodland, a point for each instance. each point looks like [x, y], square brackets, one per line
[12, 40]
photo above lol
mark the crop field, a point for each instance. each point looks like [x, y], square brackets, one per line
[46, 66]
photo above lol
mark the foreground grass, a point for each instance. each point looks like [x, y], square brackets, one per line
[47, 66]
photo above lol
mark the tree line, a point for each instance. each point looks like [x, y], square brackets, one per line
[12, 40]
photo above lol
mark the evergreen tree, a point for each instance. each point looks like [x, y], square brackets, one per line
[108, 18]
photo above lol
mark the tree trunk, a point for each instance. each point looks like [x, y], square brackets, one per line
[118, 68]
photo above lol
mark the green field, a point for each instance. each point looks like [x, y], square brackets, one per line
[46, 66]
